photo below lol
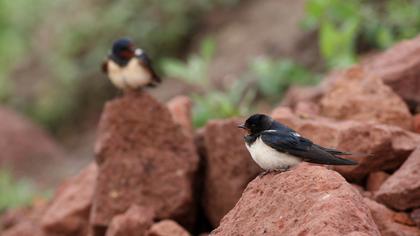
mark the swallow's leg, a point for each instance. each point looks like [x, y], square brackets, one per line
[265, 172]
[283, 169]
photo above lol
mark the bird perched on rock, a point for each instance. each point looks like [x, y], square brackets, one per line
[128, 67]
[274, 146]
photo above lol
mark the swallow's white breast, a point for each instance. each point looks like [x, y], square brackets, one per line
[132, 76]
[269, 158]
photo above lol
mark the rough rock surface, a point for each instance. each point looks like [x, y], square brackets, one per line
[27, 228]
[180, 108]
[24, 221]
[385, 220]
[12, 217]
[307, 109]
[308, 200]
[22, 154]
[399, 67]
[403, 218]
[68, 213]
[145, 159]
[297, 94]
[134, 222]
[362, 97]
[402, 189]
[389, 146]
[167, 228]
[415, 216]
[229, 167]
[362, 191]
[417, 123]
[375, 180]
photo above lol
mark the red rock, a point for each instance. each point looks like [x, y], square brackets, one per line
[199, 142]
[384, 219]
[359, 188]
[167, 228]
[362, 191]
[145, 159]
[229, 167]
[307, 109]
[20, 152]
[415, 216]
[403, 218]
[26, 228]
[402, 189]
[134, 222]
[375, 180]
[68, 213]
[399, 67]
[362, 97]
[417, 123]
[296, 94]
[311, 94]
[389, 146]
[13, 217]
[308, 200]
[21, 221]
[180, 108]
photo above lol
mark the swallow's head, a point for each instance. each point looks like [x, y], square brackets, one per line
[123, 49]
[257, 123]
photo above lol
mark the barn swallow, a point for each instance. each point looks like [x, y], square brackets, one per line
[128, 67]
[274, 146]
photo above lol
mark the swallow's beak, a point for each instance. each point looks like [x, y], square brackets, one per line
[242, 127]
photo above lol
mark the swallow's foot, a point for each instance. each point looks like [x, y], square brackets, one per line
[279, 170]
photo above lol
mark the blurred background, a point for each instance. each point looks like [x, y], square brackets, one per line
[232, 57]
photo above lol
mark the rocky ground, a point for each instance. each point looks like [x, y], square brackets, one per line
[153, 175]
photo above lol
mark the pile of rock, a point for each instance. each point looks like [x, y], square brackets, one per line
[154, 176]
[142, 182]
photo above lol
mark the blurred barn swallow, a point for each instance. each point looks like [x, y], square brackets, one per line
[128, 67]
[274, 146]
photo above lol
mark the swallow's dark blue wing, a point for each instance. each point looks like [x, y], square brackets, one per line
[335, 151]
[143, 58]
[294, 144]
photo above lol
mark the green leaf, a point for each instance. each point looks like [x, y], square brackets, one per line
[14, 193]
[208, 48]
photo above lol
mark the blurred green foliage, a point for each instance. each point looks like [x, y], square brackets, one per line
[337, 22]
[390, 21]
[266, 78]
[274, 77]
[16, 27]
[14, 193]
[222, 103]
[195, 70]
[345, 27]
[209, 102]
